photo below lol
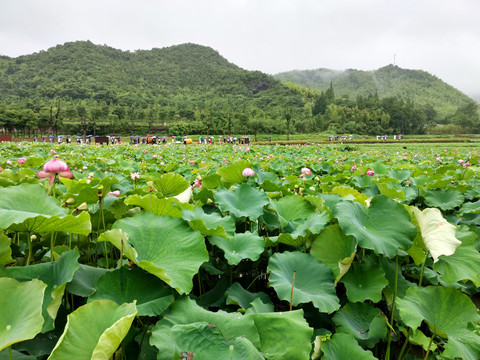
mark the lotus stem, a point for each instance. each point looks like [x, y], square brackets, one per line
[387, 354]
[291, 294]
[404, 344]
[422, 270]
[10, 352]
[52, 245]
[256, 277]
[429, 346]
[29, 256]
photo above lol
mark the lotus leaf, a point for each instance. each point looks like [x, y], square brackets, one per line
[186, 311]
[153, 204]
[164, 246]
[21, 315]
[313, 280]
[367, 324]
[108, 323]
[295, 346]
[240, 246]
[56, 275]
[27, 207]
[123, 286]
[464, 264]
[171, 184]
[438, 235]
[444, 199]
[384, 227]
[233, 172]
[209, 224]
[365, 281]
[344, 346]
[243, 201]
[333, 248]
[5, 251]
[446, 310]
[237, 295]
[204, 341]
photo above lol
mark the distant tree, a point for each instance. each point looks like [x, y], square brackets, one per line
[466, 116]
[287, 115]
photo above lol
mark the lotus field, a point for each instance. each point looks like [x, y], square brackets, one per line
[235, 252]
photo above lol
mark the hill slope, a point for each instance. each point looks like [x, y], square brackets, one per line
[82, 70]
[389, 81]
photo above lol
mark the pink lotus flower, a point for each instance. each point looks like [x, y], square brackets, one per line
[248, 172]
[353, 168]
[1, 169]
[306, 171]
[21, 160]
[115, 193]
[54, 167]
[370, 172]
[135, 175]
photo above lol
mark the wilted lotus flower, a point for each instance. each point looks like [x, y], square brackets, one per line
[306, 171]
[248, 172]
[54, 167]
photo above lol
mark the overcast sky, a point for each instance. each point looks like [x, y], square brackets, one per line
[438, 36]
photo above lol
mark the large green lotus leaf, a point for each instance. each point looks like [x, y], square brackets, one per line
[240, 246]
[237, 295]
[171, 184]
[164, 246]
[5, 251]
[333, 248]
[204, 341]
[81, 190]
[21, 310]
[366, 323]
[301, 229]
[444, 199]
[365, 281]
[243, 201]
[211, 181]
[28, 208]
[400, 174]
[153, 204]
[85, 280]
[233, 172]
[55, 274]
[94, 331]
[384, 227]
[209, 224]
[259, 307]
[464, 345]
[292, 207]
[313, 280]
[464, 264]
[470, 207]
[437, 234]
[344, 346]
[124, 285]
[186, 311]
[296, 346]
[446, 310]
[390, 189]
[16, 355]
[349, 193]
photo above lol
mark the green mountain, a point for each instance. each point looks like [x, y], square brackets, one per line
[390, 81]
[182, 84]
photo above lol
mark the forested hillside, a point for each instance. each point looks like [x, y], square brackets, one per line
[83, 88]
[389, 81]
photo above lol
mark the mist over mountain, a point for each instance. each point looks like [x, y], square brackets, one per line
[389, 81]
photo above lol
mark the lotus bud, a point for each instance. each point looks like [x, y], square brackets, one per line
[82, 207]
